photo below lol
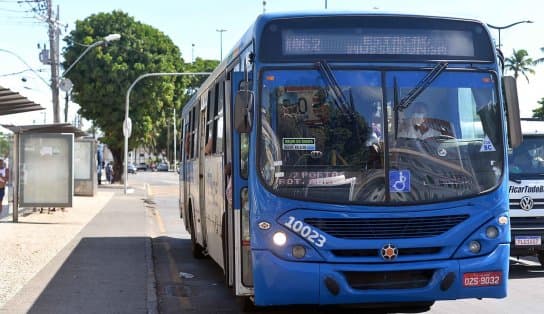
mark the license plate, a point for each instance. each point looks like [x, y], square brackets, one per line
[482, 279]
[528, 240]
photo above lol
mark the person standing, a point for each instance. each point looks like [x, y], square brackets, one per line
[4, 177]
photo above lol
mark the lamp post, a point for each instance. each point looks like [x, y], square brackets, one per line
[221, 31]
[127, 124]
[66, 84]
[499, 28]
[192, 53]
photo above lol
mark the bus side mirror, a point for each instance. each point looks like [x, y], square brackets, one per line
[512, 108]
[243, 105]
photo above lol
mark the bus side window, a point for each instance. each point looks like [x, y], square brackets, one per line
[218, 120]
[212, 99]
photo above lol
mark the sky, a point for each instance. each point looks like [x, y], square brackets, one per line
[192, 26]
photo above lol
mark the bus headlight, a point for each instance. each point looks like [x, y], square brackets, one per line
[279, 238]
[474, 246]
[492, 232]
[299, 251]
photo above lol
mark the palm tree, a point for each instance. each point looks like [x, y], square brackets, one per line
[520, 63]
[539, 112]
[540, 60]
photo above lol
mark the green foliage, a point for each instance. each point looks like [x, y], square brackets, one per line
[5, 145]
[539, 112]
[102, 78]
[520, 63]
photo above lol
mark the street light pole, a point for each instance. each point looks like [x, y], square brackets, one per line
[499, 28]
[127, 124]
[221, 31]
[67, 83]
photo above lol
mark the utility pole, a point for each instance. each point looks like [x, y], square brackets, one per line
[54, 33]
[175, 144]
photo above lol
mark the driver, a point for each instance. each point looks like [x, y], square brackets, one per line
[417, 124]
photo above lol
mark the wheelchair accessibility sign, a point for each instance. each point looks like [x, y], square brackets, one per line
[399, 181]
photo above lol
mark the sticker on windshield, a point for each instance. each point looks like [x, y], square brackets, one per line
[298, 143]
[399, 181]
[487, 146]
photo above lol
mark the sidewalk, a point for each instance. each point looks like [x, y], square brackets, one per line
[91, 258]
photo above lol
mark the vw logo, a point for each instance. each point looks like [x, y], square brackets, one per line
[389, 252]
[526, 203]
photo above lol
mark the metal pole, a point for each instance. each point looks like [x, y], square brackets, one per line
[175, 144]
[127, 103]
[499, 28]
[221, 31]
[14, 177]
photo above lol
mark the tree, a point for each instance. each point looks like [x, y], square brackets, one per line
[520, 63]
[539, 112]
[5, 145]
[102, 78]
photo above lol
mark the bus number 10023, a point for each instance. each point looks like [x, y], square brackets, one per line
[305, 231]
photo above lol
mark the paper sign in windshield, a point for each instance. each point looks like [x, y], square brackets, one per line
[487, 146]
[298, 143]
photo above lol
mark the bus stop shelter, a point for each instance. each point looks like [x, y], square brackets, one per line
[39, 149]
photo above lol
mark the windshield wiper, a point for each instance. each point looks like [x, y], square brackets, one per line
[515, 180]
[421, 86]
[337, 94]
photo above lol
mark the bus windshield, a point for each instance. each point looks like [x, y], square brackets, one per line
[527, 161]
[340, 136]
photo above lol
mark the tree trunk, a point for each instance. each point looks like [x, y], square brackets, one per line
[118, 168]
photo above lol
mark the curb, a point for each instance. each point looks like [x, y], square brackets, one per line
[152, 304]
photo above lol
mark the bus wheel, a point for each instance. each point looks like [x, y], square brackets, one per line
[541, 258]
[247, 305]
[196, 249]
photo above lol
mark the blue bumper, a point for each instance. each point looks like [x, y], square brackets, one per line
[280, 282]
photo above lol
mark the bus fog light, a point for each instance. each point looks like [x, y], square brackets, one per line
[279, 238]
[503, 220]
[492, 232]
[474, 246]
[299, 251]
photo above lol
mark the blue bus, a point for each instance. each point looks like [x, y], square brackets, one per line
[353, 158]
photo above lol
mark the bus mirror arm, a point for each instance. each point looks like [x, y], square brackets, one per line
[243, 111]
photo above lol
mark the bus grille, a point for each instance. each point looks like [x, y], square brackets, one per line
[526, 223]
[376, 253]
[407, 279]
[386, 228]
[538, 203]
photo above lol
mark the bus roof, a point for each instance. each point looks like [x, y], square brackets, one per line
[530, 126]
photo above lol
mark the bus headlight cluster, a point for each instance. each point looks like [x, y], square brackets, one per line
[299, 251]
[474, 246]
[492, 232]
[279, 238]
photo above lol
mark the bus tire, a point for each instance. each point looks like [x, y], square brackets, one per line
[247, 305]
[196, 249]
